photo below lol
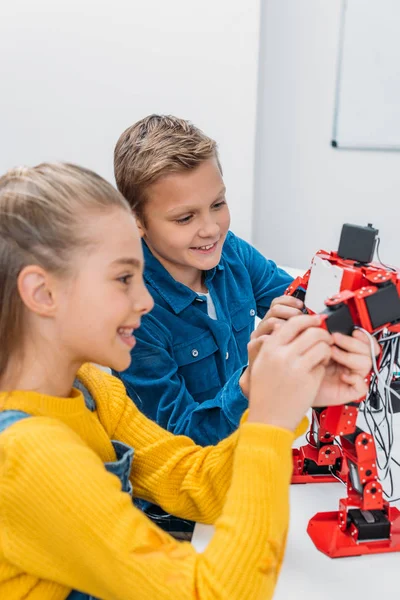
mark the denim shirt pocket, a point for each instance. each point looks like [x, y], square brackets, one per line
[197, 364]
[243, 320]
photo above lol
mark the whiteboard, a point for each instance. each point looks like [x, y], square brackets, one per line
[367, 114]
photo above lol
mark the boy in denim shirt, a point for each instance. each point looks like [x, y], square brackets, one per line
[208, 285]
[188, 366]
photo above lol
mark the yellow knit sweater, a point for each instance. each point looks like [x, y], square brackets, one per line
[65, 524]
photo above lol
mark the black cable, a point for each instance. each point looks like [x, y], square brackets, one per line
[312, 443]
[379, 258]
[336, 476]
[389, 350]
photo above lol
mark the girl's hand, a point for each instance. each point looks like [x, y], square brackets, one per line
[287, 368]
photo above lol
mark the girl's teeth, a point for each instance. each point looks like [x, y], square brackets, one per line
[125, 332]
[206, 247]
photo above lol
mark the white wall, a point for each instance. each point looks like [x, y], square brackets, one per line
[304, 189]
[75, 73]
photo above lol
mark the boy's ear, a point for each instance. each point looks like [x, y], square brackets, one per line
[34, 286]
[140, 227]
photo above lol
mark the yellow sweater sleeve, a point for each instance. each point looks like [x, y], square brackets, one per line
[64, 518]
[301, 427]
[186, 480]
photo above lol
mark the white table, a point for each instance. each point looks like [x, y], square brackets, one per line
[310, 575]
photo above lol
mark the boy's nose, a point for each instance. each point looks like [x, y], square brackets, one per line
[209, 229]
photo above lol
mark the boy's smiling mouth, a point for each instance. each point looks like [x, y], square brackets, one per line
[207, 249]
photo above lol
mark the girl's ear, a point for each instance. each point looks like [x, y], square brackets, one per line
[35, 289]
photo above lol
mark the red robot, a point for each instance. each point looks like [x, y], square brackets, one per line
[365, 295]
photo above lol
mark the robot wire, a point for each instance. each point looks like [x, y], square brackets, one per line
[390, 346]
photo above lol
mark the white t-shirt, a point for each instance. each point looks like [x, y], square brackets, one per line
[210, 304]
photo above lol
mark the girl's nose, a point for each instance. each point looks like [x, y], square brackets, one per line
[143, 301]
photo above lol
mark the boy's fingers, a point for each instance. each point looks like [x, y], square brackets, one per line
[356, 382]
[353, 343]
[265, 327]
[287, 301]
[253, 347]
[360, 363]
[360, 335]
[284, 312]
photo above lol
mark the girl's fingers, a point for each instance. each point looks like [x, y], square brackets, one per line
[318, 354]
[312, 336]
[291, 329]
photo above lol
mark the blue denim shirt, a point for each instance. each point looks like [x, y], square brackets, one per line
[186, 366]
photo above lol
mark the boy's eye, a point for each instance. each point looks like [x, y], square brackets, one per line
[125, 279]
[183, 219]
[219, 204]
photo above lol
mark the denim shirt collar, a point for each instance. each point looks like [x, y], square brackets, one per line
[177, 295]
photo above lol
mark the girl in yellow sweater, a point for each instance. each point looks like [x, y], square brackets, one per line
[72, 445]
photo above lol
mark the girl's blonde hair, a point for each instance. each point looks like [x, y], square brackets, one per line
[42, 221]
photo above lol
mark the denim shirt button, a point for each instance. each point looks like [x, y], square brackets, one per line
[195, 352]
[252, 312]
[227, 355]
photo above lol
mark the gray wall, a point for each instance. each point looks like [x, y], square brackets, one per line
[75, 73]
[305, 189]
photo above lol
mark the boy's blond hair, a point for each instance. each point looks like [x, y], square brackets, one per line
[153, 147]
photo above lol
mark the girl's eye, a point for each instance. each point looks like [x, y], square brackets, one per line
[183, 219]
[125, 279]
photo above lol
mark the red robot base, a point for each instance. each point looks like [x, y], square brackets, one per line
[337, 542]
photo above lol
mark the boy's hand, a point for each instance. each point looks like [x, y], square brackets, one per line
[345, 374]
[287, 368]
[282, 309]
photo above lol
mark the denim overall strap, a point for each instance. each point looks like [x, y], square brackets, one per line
[80, 596]
[122, 466]
[9, 417]
[89, 400]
